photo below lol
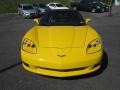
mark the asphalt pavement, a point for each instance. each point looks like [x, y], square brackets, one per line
[14, 77]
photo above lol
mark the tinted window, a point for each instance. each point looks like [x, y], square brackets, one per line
[27, 7]
[62, 18]
[52, 4]
[59, 5]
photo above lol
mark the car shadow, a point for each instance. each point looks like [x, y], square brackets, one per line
[10, 67]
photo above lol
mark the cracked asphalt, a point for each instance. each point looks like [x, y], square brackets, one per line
[14, 77]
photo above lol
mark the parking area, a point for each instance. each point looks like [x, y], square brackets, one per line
[14, 77]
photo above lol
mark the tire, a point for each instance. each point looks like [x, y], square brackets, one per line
[93, 10]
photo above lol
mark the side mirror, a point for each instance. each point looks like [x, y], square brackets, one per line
[88, 20]
[37, 21]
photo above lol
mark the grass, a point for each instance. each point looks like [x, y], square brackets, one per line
[10, 6]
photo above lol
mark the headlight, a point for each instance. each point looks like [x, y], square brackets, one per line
[26, 13]
[94, 46]
[29, 46]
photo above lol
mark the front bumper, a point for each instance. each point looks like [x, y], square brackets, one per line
[30, 15]
[62, 73]
[62, 68]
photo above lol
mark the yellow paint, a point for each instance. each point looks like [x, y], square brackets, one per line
[62, 48]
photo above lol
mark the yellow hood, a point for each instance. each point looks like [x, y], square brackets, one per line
[61, 36]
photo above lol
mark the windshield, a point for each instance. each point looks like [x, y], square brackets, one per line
[62, 18]
[59, 5]
[27, 7]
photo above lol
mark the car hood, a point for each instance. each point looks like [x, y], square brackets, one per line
[61, 36]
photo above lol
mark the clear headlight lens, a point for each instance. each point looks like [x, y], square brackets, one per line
[29, 46]
[94, 46]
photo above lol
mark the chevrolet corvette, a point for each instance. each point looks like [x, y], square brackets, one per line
[62, 44]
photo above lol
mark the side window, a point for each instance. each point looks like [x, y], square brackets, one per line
[53, 5]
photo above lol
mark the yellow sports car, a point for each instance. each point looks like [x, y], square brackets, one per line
[62, 44]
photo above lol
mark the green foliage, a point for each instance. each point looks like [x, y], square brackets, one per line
[7, 6]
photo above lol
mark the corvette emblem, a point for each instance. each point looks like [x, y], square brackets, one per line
[63, 55]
